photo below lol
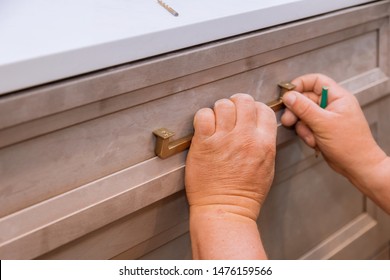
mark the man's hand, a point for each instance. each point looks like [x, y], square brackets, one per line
[340, 132]
[230, 165]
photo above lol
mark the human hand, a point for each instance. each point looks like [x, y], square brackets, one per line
[230, 164]
[340, 131]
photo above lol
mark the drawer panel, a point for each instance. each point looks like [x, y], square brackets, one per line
[309, 207]
[295, 209]
[94, 149]
[137, 233]
[178, 249]
[37, 103]
[73, 180]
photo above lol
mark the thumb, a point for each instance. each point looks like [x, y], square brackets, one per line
[304, 108]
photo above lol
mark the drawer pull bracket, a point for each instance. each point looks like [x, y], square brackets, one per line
[166, 148]
[278, 104]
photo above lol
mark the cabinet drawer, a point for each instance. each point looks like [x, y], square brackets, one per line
[89, 161]
[70, 157]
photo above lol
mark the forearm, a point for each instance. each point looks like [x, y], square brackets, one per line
[217, 234]
[374, 182]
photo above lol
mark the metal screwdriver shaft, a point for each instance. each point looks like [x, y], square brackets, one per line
[168, 8]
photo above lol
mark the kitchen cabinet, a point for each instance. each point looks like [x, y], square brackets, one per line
[80, 179]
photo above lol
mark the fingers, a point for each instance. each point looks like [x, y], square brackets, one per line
[288, 118]
[265, 117]
[310, 86]
[303, 108]
[306, 134]
[245, 109]
[251, 114]
[204, 123]
[312, 83]
[239, 112]
[225, 115]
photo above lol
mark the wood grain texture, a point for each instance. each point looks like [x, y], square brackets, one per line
[57, 221]
[51, 99]
[383, 254]
[141, 232]
[79, 175]
[116, 141]
[103, 107]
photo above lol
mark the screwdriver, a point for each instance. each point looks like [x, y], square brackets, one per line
[168, 8]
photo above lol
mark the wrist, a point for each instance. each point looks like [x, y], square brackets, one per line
[221, 213]
[367, 174]
[218, 233]
[218, 211]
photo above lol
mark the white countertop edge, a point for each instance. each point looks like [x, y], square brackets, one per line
[41, 70]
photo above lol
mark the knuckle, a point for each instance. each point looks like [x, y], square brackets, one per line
[265, 108]
[303, 109]
[223, 103]
[263, 144]
[242, 97]
[202, 112]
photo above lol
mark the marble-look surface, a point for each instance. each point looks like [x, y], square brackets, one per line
[44, 41]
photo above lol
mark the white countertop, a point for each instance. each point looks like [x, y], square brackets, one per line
[47, 40]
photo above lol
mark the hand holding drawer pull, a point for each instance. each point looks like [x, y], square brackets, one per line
[165, 148]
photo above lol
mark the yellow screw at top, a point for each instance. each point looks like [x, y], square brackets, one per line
[168, 8]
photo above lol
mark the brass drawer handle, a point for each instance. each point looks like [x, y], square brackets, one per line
[278, 104]
[165, 148]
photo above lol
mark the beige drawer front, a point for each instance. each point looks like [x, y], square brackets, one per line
[79, 175]
[66, 159]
